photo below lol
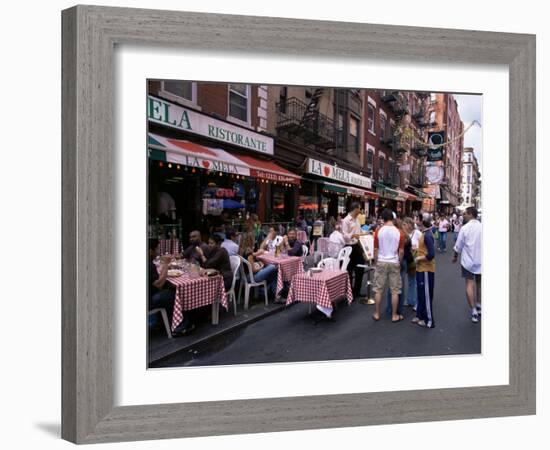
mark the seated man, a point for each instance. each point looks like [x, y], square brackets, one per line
[195, 240]
[161, 292]
[217, 259]
[230, 242]
[291, 244]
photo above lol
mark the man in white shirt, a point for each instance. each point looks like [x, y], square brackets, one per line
[389, 245]
[351, 229]
[230, 243]
[468, 244]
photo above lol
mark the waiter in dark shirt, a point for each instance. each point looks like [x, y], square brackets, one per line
[195, 241]
[218, 259]
[161, 292]
[291, 244]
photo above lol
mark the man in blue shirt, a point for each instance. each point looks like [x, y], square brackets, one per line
[230, 242]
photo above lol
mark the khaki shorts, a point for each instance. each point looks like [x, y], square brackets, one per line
[387, 273]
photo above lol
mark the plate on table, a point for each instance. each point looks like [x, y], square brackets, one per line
[316, 270]
[175, 273]
[211, 272]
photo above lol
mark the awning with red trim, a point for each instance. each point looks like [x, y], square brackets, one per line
[215, 159]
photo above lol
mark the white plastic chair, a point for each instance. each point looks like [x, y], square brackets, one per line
[322, 247]
[329, 263]
[344, 257]
[248, 280]
[164, 315]
[235, 266]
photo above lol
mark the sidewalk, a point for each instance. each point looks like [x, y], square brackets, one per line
[161, 348]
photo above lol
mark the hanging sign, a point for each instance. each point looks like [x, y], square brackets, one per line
[336, 173]
[435, 138]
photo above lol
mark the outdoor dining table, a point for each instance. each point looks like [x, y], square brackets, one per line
[288, 267]
[195, 292]
[322, 288]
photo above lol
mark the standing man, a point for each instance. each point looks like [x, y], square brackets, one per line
[389, 245]
[425, 276]
[468, 244]
[351, 229]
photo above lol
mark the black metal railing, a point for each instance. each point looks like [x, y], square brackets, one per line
[313, 127]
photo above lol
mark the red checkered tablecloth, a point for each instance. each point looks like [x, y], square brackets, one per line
[322, 288]
[192, 293]
[288, 267]
[170, 246]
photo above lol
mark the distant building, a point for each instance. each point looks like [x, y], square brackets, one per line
[443, 116]
[471, 180]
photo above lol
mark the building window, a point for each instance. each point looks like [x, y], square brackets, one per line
[381, 163]
[180, 90]
[371, 118]
[354, 133]
[382, 128]
[239, 95]
[433, 97]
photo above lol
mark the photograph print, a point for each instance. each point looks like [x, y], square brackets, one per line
[303, 223]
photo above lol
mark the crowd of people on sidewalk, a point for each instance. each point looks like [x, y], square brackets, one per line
[404, 258]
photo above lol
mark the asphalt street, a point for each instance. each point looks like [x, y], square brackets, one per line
[295, 335]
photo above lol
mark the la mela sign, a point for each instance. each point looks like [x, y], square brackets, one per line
[337, 174]
[175, 116]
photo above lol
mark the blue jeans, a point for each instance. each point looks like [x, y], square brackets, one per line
[164, 299]
[411, 289]
[269, 274]
[443, 241]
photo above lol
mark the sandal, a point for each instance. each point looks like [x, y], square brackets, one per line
[399, 319]
[376, 319]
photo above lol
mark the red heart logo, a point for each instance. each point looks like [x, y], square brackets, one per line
[206, 164]
[326, 169]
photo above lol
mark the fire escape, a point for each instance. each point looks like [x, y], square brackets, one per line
[301, 121]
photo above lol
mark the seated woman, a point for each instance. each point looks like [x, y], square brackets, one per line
[336, 242]
[218, 259]
[269, 244]
[259, 269]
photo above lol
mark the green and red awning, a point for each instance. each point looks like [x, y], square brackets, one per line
[198, 156]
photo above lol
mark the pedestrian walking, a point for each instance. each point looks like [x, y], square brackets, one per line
[443, 228]
[468, 244]
[351, 229]
[389, 245]
[425, 277]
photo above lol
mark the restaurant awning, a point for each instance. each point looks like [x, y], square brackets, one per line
[350, 190]
[198, 156]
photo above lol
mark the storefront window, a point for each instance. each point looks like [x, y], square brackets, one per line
[308, 200]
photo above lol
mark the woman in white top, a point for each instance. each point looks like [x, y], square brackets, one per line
[336, 242]
[270, 242]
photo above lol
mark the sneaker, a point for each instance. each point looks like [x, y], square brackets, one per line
[475, 318]
[478, 308]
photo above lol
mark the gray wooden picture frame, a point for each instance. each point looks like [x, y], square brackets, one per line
[89, 36]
